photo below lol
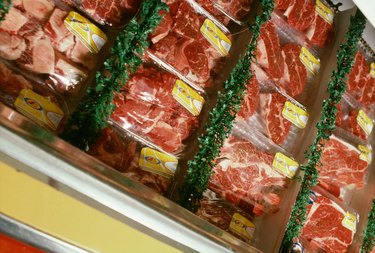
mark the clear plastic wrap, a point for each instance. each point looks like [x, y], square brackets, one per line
[53, 41]
[226, 216]
[107, 12]
[159, 108]
[330, 225]
[33, 100]
[361, 79]
[190, 43]
[354, 119]
[134, 160]
[344, 166]
[315, 19]
[252, 177]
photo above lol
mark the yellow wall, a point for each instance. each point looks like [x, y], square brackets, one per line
[47, 209]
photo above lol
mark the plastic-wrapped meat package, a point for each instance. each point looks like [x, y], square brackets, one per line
[330, 226]
[313, 18]
[274, 115]
[226, 10]
[107, 12]
[189, 44]
[226, 216]
[124, 153]
[344, 167]
[151, 107]
[354, 119]
[287, 59]
[244, 175]
[361, 81]
[51, 42]
[34, 101]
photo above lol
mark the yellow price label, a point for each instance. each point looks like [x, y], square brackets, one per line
[39, 109]
[309, 60]
[285, 165]
[157, 162]
[366, 153]
[323, 11]
[365, 122]
[242, 226]
[295, 114]
[89, 34]
[372, 69]
[350, 222]
[216, 37]
[188, 98]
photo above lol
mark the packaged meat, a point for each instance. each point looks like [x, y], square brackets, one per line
[361, 79]
[189, 44]
[330, 225]
[33, 100]
[343, 166]
[272, 113]
[107, 12]
[224, 10]
[55, 42]
[315, 19]
[354, 119]
[288, 60]
[134, 160]
[249, 177]
[226, 216]
[159, 108]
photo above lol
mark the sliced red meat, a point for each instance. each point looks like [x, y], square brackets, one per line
[163, 29]
[358, 76]
[269, 55]
[66, 42]
[12, 83]
[301, 14]
[320, 32]
[354, 127]
[11, 46]
[283, 4]
[295, 78]
[109, 11]
[13, 21]
[244, 176]
[209, 6]
[112, 150]
[251, 99]
[341, 165]
[278, 127]
[40, 9]
[237, 9]
[324, 227]
[339, 116]
[187, 22]
[40, 58]
[368, 97]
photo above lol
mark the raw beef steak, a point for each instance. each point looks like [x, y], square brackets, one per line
[341, 166]
[179, 42]
[301, 14]
[112, 150]
[271, 106]
[237, 9]
[269, 55]
[147, 107]
[361, 85]
[320, 32]
[323, 226]
[208, 5]
[250, 101]
[109, 12]
[295, 77]
[244, 176]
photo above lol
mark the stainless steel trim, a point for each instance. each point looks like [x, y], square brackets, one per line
[49, 155]
[34, 237]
